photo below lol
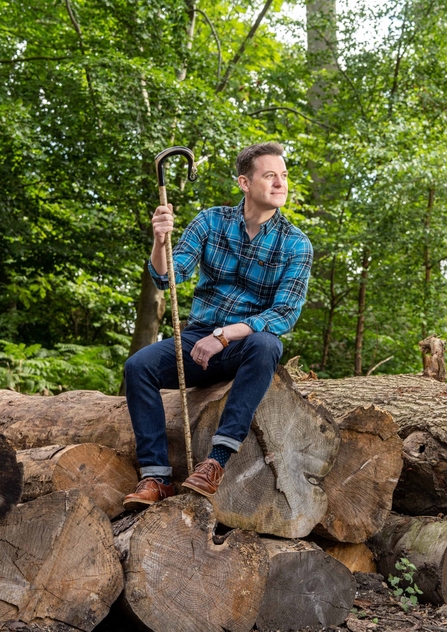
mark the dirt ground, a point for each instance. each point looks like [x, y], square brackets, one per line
[375, 609]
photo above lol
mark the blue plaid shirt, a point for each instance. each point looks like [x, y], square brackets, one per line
[262, 282]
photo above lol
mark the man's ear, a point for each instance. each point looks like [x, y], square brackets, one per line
[244, 183]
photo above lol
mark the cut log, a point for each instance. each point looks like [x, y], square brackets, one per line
[177, 579]
[273, 485]
[58, 563]
[358, 558]
[305, 587]
[419, 407]
[11, 477]
[360, 486]
[31, 421]
[102, 473]
[423, 541]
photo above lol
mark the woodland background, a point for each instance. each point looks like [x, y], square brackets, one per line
[91, 91]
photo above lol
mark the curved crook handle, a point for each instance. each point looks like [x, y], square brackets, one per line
[174, 151]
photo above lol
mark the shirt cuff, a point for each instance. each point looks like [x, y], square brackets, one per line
[257, 323]
[161, 280]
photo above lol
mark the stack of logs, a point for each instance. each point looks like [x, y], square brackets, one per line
[324, 464]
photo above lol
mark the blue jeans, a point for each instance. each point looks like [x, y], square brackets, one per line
[251, 362]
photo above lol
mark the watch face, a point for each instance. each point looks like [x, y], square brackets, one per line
[218, 331]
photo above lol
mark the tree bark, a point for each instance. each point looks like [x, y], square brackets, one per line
[11, 477]
[58, 564]
[177, 579]
[419, 407]
[305, 588]
[432, 349]
[360, 486]
[291, 447]
[423, 541]
[102, 473]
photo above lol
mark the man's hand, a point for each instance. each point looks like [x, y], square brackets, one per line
[205, 349]
[162, 223]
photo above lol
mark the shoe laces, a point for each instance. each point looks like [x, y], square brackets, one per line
[144, 481]
[209, 468]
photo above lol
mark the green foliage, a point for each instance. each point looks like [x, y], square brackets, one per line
[33, 369]
[404, 587]
[87, 100]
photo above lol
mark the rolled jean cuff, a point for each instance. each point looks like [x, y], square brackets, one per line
[155, 470]
[228, 441]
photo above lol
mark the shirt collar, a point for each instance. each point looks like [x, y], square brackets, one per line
[267, 226]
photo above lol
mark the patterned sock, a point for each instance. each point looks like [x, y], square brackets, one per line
[221, 453]
[165, 479]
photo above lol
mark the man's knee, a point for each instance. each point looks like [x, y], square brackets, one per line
[267, 345]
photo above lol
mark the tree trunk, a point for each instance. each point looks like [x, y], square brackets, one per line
[291, 447]
[11, 477]
[58, 564]
[305, 587]
[102, 473]
[151, 307]
[361, 314]
[423, 541]
[419, 407]
[177, 579]
[360, 486]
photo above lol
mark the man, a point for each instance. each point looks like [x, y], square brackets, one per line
[254, 270]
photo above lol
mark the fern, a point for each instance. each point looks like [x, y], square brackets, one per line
[34, 369]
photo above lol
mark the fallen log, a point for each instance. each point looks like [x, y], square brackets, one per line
[177, 579]
[31, 421]
[58, 563]
[305, 588]
[11, 477]
[273, 485]
[418, 406]
[102, 473]
[423, 541]
[360, 486]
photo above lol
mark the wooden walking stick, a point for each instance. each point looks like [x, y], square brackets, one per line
[159, 165]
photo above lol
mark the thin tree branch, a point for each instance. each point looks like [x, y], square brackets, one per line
[401, 54]
[288, 109]
[377, 365]
[77, 28]
[20, 60]
[219, 50]
[233, 63]
[343, 72]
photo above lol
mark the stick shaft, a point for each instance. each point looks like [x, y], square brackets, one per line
[177, 339]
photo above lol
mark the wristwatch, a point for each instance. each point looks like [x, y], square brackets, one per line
[219, 334]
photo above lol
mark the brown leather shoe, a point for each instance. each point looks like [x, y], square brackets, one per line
[206, 477]
[149, 490]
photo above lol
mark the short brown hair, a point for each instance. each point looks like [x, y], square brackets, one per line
[246, 159]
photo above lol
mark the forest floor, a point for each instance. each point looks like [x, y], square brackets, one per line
[376, 610]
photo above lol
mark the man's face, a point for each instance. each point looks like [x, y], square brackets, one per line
[268, 186]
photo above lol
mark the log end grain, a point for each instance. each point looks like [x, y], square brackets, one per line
[178, 579]
[58, 562]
